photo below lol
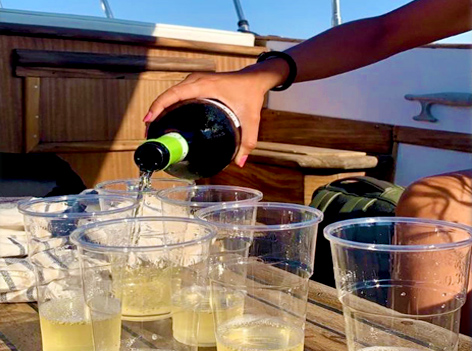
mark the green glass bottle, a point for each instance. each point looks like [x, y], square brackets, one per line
[191, 139]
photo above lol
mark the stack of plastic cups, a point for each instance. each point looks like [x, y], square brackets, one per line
[259, 301]
[401, 281]
[139, 276]
[65, 324]
[185, 202]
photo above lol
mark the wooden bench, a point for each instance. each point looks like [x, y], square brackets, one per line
[297, 153]
[290, 173]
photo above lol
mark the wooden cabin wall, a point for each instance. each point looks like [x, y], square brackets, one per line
[88, 110]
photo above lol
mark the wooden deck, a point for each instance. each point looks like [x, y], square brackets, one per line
[19, 324]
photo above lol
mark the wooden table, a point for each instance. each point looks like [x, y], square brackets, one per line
[19, 325]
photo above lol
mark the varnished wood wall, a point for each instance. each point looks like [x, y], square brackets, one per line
[90, 109]
[322, 131]
[92, 118]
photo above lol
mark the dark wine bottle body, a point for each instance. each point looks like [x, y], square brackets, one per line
[207, 135]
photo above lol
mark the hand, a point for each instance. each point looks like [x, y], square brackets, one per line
[242, 91]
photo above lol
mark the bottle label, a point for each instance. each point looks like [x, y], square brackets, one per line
[176, 144]
[228, 111]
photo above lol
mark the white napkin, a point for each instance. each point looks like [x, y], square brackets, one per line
[17, 281]
[13, 242]
[10, 217]
[15, 274]
[25, 295]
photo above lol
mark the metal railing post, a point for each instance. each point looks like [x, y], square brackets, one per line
[243, 24]
[336, 11]
[106, 8]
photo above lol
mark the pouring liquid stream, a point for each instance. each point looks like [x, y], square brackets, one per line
[144, 184]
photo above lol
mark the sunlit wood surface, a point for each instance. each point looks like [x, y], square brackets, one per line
[19, 324]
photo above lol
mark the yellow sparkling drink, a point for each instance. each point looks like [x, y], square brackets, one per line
[192, 306]
[252, 333]
[65, 327]
[146, 293]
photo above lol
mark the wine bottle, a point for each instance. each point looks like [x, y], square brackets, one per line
[191, 139]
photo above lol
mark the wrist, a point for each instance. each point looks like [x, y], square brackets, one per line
[269, 74]
[290, 64]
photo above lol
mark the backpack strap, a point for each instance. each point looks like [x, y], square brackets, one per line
[369, 191]
[376, 184]
[393, 194]
[323, 199]
[357, 204]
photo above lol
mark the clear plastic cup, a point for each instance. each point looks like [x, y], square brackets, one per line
[130, 187]
[148, 268]
[279, 235]
[64, 319]
[259, 305]
[65, 323]
[185, 201]
[50, 221]
[276, 231]
[401, 281]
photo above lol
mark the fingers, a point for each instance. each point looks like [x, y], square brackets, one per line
[182, 91]
[168, 98]
[248, 140]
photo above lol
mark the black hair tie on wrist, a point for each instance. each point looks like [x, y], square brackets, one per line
[292, 74]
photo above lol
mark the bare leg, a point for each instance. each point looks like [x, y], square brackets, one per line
[446, 197]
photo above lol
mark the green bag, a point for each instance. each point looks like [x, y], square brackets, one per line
[347, 198]
[353, 196]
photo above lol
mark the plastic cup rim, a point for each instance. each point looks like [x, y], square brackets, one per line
[162, 195]
[333, 227]
[25, 204]
[100, 185]
[318, 216]
[76, 235]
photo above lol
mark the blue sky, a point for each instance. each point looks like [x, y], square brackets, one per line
[298, 19]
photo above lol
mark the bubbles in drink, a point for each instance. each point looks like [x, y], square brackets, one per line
[252, 333]
[65, 326]
[193, 304]
[146, 293]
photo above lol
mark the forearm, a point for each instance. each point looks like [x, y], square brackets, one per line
[330, 53]
[360, 43]
[337, 50]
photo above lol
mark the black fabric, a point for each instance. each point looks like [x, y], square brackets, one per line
[381, 198]
[37, 175]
